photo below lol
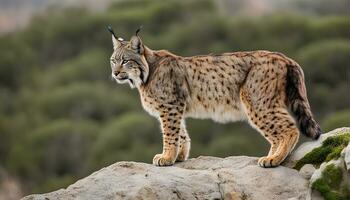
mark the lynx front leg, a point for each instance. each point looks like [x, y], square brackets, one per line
[185, 144]
[170, 122]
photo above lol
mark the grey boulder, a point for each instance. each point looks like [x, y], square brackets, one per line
[199, 178]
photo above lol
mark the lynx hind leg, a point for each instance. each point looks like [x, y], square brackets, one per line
[266, 111]
[280, 131]
[285, 135]
[185, 145]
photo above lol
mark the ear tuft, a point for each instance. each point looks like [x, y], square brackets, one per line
[110, 29]
[116, 42]
[115, 39]
[138, 30]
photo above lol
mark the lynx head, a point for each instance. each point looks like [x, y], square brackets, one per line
[128, 60]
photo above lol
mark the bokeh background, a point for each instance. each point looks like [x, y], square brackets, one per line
[62, 117]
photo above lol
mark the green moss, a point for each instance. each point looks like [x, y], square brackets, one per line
[333, 176]
[330, 184]
[315, 157]
[335, 153]
[330, 149]
[325, 191]
[337, 140]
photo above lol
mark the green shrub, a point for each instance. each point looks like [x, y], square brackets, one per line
[327, 75]
[89, 66]
[81, 100]
[132, 136]
[61, 148]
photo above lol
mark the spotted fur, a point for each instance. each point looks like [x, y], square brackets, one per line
[260, 87]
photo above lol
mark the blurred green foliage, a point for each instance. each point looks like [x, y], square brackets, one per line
[61, 116]
[336, 120]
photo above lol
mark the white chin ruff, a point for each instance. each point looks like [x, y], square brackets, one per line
[130, 83]
[125, 81]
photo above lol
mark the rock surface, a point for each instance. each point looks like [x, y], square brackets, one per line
[347, 157]
[307, 170]
[235, 178]
[198, 178]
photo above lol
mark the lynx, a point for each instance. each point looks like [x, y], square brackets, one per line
[264, 88]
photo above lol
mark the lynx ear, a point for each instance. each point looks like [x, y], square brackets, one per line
[136, 42]
[116, 41]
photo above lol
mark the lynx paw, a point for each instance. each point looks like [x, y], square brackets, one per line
[161, 160]
[181, 157]
[268, 161]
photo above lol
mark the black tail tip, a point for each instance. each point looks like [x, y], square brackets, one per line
[318, 133]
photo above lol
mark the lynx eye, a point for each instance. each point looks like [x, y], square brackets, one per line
[125, 62]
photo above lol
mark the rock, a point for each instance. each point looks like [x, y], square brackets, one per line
[205, 178]
[198, 178]
[347, 157]
[315, 195]
[318, 174]
[307, 170]
[306, 147]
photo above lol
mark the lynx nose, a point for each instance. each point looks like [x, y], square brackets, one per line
[116, 73]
